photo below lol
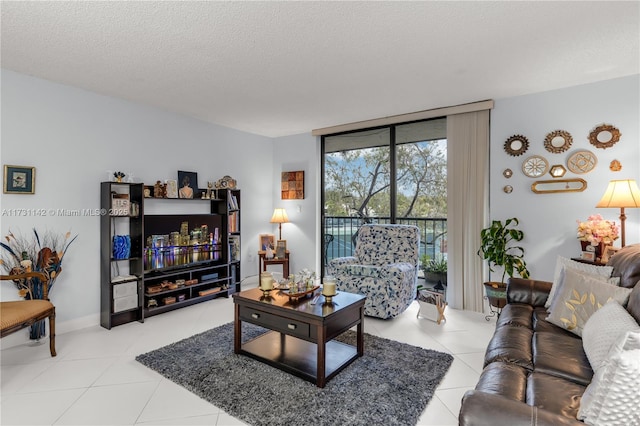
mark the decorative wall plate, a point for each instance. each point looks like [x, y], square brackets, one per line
[582, 161]
[558, 141]
[516, 145]
[604, 136]
[535, 166]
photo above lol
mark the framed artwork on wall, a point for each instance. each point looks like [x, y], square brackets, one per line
[292, 185]
[19, 180]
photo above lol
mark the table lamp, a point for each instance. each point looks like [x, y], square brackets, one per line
[621, 194]
[279, 217]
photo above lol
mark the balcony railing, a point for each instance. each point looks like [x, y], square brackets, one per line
[339, 232]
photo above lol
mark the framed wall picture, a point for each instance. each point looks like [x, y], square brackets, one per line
[608, 252]
[188, 183]
[172, 188]
[281, 249]
[19, 180]
[292, 185]
[267, 240]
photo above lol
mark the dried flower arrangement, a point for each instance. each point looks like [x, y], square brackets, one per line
[22, 254]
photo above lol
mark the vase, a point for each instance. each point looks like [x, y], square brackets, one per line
[37, 330]
[598, 250]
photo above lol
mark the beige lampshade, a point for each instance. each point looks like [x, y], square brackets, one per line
[621, 193]
[279, 216]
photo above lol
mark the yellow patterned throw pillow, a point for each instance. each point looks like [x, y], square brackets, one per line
[578, 297]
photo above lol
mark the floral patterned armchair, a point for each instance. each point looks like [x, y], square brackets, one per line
[384, 268]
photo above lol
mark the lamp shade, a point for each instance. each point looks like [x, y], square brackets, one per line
[279, 216]
[621, 193]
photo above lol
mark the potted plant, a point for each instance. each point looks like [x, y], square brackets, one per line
[497, 248]
[435, 271]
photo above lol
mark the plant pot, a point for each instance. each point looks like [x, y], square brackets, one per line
[496, 293]
[598, 250]
[436, 278]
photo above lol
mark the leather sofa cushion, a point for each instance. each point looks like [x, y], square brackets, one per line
[504, 379]
[626, 265]
[511, 344]
[561, 356]
[516, 314]
[633, 307]
[554, 394]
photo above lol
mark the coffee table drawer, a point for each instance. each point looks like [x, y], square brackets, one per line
[275, 322]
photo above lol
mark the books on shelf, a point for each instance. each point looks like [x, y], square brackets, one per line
[234, 248]
[233, 202]
[234, 222]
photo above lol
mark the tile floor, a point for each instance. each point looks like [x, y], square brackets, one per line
[95, 379]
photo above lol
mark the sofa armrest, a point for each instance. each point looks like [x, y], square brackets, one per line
[481, 408]
[531, 292]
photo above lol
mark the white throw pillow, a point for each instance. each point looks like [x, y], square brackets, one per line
[578, 297]
[562, 262]
[603, 329]
[613, 396]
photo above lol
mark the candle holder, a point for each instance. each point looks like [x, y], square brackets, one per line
[328, 299]
[266, 292]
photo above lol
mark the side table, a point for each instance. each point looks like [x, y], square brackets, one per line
[263, 262]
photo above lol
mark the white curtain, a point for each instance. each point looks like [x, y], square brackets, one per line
[467, 205]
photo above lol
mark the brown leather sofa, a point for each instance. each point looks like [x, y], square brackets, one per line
[534, 372]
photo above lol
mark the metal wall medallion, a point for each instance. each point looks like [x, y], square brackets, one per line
[516, 145]
[508, 189]
[507, 173]
[615, 166]
[558, 141]
[582, 162]
[535, 166]
[604, 136]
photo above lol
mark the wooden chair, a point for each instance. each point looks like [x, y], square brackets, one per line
[17, 315]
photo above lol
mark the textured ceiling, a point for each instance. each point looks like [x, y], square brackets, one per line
[282, 68]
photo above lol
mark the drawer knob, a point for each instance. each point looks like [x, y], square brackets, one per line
[255, 316]
[291, 326]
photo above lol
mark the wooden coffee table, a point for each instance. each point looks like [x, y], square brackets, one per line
[301, 338]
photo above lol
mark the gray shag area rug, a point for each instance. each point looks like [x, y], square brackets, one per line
[391, 384]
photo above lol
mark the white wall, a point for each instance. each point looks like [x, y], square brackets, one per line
[72, 137]
[291, 153]
[549, 220]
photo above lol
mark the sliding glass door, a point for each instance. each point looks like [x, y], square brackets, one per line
[391, 174]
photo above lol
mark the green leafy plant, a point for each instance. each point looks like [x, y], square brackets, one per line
[436, 266]
[497, 248]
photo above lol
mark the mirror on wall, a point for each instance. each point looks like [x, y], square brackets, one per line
[559, 185]
[558, 141]
[516, 145]
[604, 136]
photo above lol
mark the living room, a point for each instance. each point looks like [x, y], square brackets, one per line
[75, 138]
